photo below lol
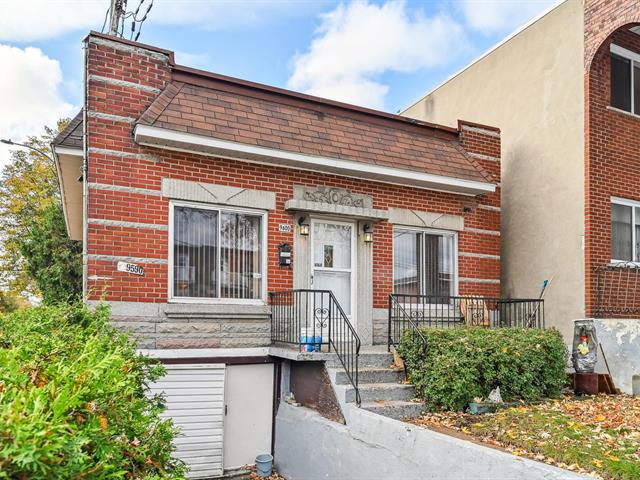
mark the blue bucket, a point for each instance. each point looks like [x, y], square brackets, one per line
[264, 465]
[318, 343]
[306, 343]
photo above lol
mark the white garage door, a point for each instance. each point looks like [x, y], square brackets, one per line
[195, 401]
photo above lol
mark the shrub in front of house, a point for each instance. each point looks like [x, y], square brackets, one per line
[460, 364]
[73, 400]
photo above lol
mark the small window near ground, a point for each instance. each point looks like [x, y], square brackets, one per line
[625, 231]
[424, 263]
[217, 254]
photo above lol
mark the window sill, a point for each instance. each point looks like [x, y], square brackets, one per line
[215, 301]
[623, 112]
[623, 264]
[232, 311]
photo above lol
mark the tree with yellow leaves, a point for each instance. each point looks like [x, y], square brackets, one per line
[37, 259]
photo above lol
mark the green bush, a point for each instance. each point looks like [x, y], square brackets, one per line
[460, 364]
[73, 400]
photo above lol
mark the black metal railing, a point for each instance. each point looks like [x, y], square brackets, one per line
[314, 321]
[417, 311]
[400, 321]
[617, 291]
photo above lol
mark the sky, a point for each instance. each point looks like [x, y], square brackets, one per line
[382, 54]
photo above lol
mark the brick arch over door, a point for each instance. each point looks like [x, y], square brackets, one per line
[602, 18]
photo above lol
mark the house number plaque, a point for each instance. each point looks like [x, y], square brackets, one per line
[130, 268]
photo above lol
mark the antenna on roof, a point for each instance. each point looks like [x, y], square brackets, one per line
[118, 15]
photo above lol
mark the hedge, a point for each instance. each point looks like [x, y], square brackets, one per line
[73, 400]
[461, 364]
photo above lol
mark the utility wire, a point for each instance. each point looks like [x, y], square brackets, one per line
[106, 17]
[119, 16]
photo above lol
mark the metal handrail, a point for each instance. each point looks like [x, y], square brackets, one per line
[313, 319]
[406, 320]
[443, 311]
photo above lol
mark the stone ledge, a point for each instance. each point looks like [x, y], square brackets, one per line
[333, 209]
[218, 194]
[216, 311]
[416, 218]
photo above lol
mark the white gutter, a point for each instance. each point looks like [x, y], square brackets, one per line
[63, 151]
[203, 145]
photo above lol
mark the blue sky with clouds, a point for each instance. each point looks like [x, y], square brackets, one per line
[376, 53]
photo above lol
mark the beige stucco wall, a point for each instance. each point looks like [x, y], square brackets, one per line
[531, 87]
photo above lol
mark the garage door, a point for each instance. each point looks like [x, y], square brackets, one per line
[195, 401]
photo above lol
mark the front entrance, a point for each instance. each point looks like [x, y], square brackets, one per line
[333, 260]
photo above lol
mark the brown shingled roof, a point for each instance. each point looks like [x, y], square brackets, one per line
[271, 120]
[71, 136]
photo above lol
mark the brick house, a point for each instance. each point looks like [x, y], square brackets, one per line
[219, 216]
[565, 91]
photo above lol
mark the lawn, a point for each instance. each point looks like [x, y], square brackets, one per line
[597, 435]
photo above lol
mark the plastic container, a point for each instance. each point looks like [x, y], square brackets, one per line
[318, 343]
[306, 344]
[264, 465]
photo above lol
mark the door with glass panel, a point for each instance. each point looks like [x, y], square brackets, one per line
[332, 262]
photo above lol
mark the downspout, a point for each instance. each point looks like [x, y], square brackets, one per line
[85, 177]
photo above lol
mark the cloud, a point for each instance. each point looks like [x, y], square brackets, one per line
[356, 43]
[492, 16]
[30, 95]
[31, 20]
[225, 14]
[34, 20]
[194, 60]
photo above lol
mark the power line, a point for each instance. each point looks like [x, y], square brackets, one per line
[119, 15]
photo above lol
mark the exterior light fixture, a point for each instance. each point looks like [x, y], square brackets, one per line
[304, 227]
[367, 233]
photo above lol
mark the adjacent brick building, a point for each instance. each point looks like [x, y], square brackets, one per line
[197, 195]
[565, 91]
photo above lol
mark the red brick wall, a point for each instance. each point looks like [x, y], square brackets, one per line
[602, 18]
[612, 156]
[131, 166]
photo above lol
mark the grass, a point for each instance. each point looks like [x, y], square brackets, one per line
[597, 435]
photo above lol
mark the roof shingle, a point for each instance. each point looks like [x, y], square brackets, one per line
[71, 136]
[267, 122]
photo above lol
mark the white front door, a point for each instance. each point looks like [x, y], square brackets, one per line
[333, 259]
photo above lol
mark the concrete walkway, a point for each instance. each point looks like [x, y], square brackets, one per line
[372, 447]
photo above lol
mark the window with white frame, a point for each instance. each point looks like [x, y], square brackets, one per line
[625, 230]
[217, 253]
[625, 79]
[424, 262]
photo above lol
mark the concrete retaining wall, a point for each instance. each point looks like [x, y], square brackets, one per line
[620, 340]
[371, 447]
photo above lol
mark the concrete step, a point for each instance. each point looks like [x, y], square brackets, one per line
[367, 360]
[376, 392]
[371, 375]
[397, 409]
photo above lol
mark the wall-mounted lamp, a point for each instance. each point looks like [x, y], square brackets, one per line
[367, 232]
[304, 227]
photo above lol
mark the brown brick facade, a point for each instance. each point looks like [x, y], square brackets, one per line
[612, 138]
[125, 186]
